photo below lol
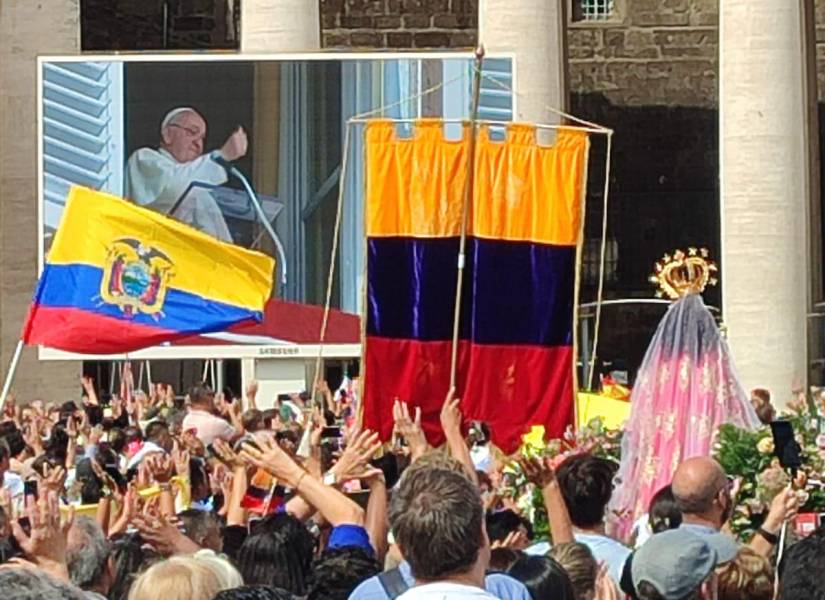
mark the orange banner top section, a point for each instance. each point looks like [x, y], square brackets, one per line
[523, 191]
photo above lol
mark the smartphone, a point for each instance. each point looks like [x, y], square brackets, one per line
[25, 525]
[330, 433]
[786, 448]
[30, 488]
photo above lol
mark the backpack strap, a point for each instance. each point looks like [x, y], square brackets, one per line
[393, 583]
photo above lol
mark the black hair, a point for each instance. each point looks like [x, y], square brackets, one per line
[800, 573]
[117, 439]
[156, 429]
[586, 484]
[129, 558]
[198, 477]
[91, 488]
[268, 415]
[502, 523]
[198, 524]
[254, 592]
[389, 466]
[200, 394]
[278, 552]
[133, 434]
[502, 559]
[338, 572]
[13, 438]
[95, 414]
[664, 511]
[544, 577]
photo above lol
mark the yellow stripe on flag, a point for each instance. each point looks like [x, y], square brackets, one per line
[415, 186]
[204, 266]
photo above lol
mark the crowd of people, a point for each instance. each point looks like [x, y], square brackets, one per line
[203, 495]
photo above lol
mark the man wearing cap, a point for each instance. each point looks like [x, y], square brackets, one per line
[158, 178]
[675, 565]
[704, 495]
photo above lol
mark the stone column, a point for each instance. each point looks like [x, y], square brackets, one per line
[27, 29]
[534, 30]
[765, 191]
[280, 26]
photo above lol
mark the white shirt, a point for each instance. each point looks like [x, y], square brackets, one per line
[606, 550]
[13, 483]
[155, 179]
[445, 590]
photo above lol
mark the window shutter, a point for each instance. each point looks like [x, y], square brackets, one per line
[495, 101]
[82, 132]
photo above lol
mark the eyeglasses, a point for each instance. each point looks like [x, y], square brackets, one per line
[194, 132]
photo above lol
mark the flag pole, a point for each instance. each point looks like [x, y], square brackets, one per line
[15, 360]
[468, 198]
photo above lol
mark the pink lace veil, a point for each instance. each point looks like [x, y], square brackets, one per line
[685, 389]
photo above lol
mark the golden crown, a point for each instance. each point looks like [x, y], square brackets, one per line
[682, 274]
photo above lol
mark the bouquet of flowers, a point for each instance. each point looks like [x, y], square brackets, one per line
[749, 456]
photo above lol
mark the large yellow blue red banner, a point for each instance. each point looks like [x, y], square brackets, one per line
[515, 355]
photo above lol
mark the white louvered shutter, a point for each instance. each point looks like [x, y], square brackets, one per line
[82, 132]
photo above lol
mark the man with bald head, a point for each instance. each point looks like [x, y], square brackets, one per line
[704, 494]
[157, 178]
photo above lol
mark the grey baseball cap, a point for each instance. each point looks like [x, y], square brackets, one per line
[675, 562]
[726, 547]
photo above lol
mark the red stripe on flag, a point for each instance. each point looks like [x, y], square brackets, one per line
[419, 373]
[76, 330]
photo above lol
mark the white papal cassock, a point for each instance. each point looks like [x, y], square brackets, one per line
[156, 180]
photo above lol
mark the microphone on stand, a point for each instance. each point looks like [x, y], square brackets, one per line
[232, 170]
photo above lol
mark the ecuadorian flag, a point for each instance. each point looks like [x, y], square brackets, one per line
[120, 277]
[515, 356]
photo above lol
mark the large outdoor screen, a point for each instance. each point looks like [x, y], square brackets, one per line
[149, 129]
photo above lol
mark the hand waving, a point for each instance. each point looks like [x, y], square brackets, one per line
[408, 428]
[45, 544]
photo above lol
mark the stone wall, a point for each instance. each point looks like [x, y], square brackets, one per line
[27, 29]
[400, 24]
[657, 52]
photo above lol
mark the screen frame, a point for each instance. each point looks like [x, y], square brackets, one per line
[233, 351]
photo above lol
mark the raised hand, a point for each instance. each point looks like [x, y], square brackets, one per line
[227, 454]
[538, 471]
[181, 460]
[409, 429]
[31, 435]
[269, 456]
[191, 442]
[163, 535]
[517, 540]
[605, 588]
[451, 415]
[784, 507]
[160, 467]
[52, 479]
[235, 145]
[45, 544]
[354, 461]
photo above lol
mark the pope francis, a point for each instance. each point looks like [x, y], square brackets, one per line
[157, 178]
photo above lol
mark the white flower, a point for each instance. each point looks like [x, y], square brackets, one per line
[765, 445]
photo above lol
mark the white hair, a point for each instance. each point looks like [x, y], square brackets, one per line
[172, 114]
[227, 574]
